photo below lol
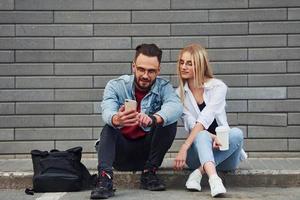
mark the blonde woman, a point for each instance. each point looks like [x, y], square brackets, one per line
[203, 97]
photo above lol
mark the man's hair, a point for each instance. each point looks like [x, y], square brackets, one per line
[151, 50]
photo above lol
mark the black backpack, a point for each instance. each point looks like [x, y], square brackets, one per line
[60, 171]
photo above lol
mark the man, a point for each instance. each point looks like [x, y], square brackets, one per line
[137, 139]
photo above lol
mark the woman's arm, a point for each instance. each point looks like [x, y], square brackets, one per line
[182, 154]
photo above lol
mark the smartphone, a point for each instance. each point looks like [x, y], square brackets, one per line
[130, 104]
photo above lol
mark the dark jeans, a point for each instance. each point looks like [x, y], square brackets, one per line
[115, 150]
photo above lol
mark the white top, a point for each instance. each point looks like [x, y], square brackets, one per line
[214, 97]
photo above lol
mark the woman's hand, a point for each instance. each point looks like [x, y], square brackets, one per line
[181, 158]
[216, 143]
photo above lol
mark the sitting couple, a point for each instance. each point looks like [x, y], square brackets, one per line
[138, 139]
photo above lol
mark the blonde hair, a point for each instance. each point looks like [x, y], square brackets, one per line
[202, 68]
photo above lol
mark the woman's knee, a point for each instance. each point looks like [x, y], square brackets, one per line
[236, 135]
[203, 136]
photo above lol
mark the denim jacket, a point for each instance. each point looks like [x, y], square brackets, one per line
[161, 99]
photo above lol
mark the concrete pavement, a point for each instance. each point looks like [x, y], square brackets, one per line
[234, 193]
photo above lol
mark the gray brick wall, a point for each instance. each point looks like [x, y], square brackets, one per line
[57, 56]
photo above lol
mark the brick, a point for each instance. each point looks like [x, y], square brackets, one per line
[6, 134]
[208, 4]
[274, 105]
[78, 94]
[131, 29]
[97, 107]
[92, 17]
[273, 132]
[170, 42]
[7, 108]
[232, 119]
[101, 81]
[273, 3]
[274, 80]
[293, 92]
[209, 29]
[26, 69]
[24, 147]
[53, 133]
[131, 5]
[247, 15]
[272, 119]
[7, 56]
[236, 106]
[54, 30]
[247, 41]
[274, 27]
[54, 108]
[266, 144]
[54, 56]
[257, 93]
[11, 17]
[294, 119]
[168, 68]
[96, 133]
[249, 67]
[54, 82]
[169, 16]
[114, 55]
[121, 55]
[54, 5]
[273, 154]
[7, 4]
[26, 121]
[93, 69]
[293, 13]
[7, 82]
[274, 54]
[7, 30]
[293, 66]
[293, 40]
[87, 145]
[294, 144]
[26, 95]
[92, 43]
[26, 43]
[78, 121]
[233, 80]
[220, 54]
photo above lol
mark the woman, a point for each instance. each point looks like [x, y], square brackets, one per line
[203, 97]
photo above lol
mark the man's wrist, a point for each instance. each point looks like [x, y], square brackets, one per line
[115, 120]
[154, 121]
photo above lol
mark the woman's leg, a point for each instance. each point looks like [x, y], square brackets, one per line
[230, 159]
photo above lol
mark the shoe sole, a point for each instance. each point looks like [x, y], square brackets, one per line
[152, 189]
[103, 196]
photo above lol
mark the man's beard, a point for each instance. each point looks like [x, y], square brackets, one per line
[141, 87]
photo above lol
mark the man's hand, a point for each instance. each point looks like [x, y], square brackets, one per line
[125, 118]
[144, 120]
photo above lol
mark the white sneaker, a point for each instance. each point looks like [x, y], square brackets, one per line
[216, 185]
[194, 180]
[243, 155]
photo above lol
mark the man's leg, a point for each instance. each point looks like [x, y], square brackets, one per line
[106, 155]
[160, 140]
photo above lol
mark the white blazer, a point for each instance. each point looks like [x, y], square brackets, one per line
[214, 97]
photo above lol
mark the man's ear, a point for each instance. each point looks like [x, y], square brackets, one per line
[133, 68]
[158, 71]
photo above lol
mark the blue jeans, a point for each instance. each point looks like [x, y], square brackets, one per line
[202, 152]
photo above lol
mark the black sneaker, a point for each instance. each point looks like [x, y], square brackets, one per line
[150, 181]
[104, 187]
